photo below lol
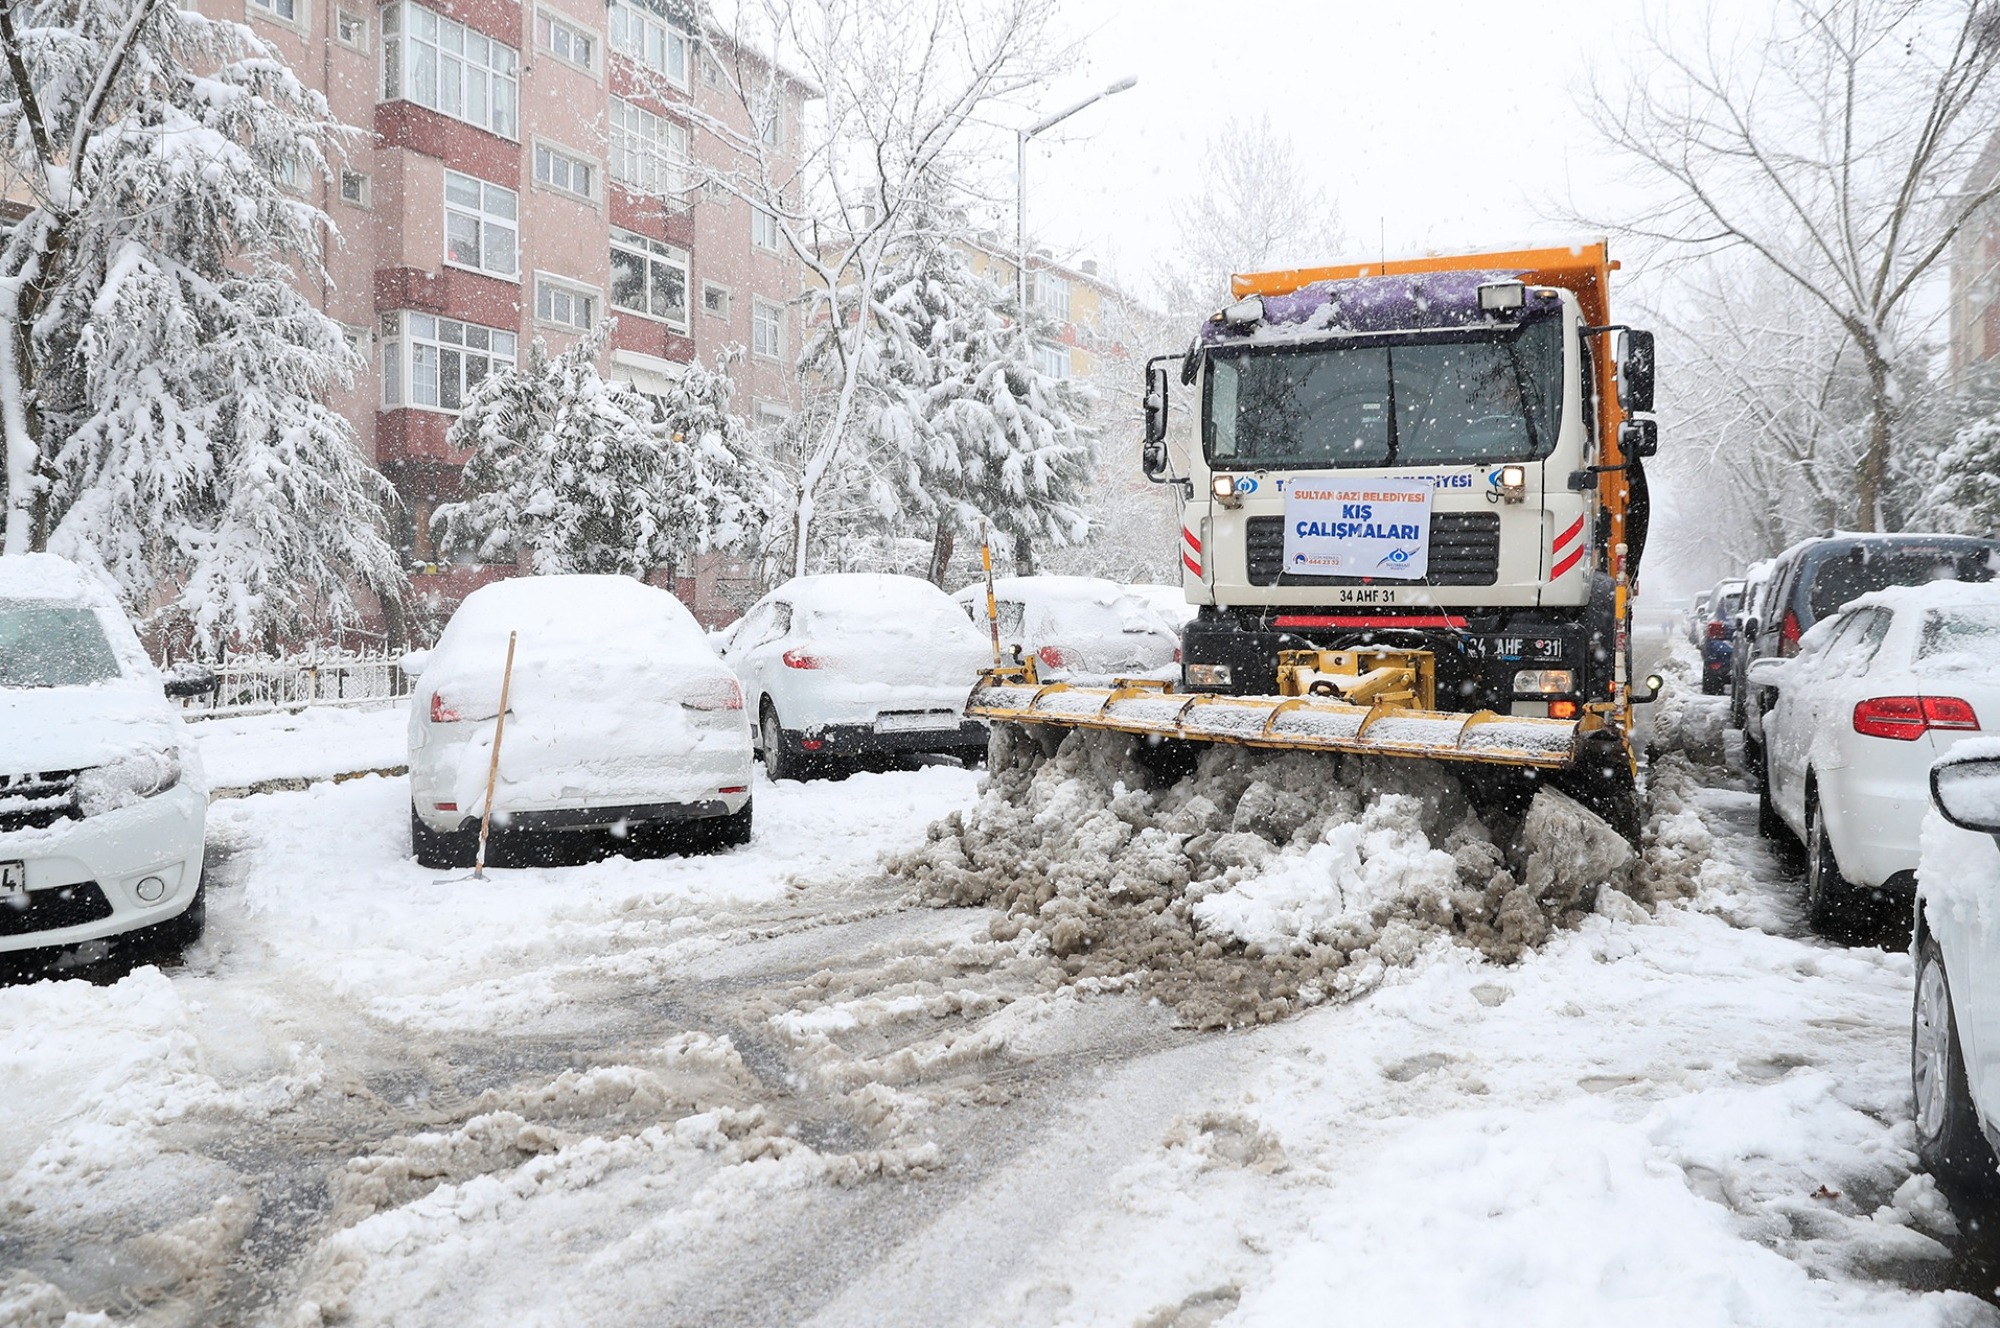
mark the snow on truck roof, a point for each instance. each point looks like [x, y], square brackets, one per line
[1363, 305]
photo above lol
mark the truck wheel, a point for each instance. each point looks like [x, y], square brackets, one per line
[440, 849]
[1950, 1143]
[1827, 891]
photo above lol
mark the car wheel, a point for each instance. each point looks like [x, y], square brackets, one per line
[1827, 890]
[1949, 1141]
[778, 762]
[1753, 758]
[1738, 711]
[1710, 684]
[439, 849]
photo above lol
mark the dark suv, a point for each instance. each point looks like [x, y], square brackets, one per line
[1814, 578]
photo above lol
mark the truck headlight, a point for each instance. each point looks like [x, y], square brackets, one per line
[1542, 682]
[1208, 675]
[129, 779]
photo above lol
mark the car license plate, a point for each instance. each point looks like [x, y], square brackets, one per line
[1523, 649]
[13, 879]
[910, 721]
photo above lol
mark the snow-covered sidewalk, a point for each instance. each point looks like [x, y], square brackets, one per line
[319, 742]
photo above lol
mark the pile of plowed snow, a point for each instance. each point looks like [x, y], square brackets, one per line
[1262, 882]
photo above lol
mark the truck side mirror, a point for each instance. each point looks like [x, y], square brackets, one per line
[1635, 371]
[1639, 438]
[1153, 455]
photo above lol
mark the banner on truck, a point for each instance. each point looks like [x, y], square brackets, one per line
[1372, 528]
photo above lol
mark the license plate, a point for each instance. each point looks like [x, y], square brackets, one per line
[1524, 649]
[13, 879]
[908, 721]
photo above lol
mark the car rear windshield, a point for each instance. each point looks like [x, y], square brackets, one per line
[1842, 578]
[49, 644]
[1961, 640]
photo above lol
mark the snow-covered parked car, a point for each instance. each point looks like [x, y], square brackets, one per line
[618, 716]
[1076, 627]
[1955, 1028]
[102, 800]
[1876, 693]
[1170, 603]
[856, 663]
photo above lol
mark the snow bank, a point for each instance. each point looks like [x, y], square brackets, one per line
[319, 742]
[1260, 884]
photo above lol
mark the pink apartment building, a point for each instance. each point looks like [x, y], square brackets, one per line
[507, 185]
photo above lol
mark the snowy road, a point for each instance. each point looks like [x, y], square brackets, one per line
[766, 1088]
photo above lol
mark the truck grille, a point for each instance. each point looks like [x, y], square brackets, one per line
[1465, 551]
[50, 910]
[34, 801]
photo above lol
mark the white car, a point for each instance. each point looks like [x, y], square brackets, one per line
[1955, 1028]
[102, 800]
[1076, 626]
[857, 663]
[618, 717]
[1170, 603]
[1876, 693]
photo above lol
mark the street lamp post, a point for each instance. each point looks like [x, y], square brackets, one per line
[1021, 137]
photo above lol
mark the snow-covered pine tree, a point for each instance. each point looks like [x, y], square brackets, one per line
[583, 474]
[1964, 495]
[162, 379]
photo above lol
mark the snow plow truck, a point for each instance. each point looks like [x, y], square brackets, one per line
[1412, 517]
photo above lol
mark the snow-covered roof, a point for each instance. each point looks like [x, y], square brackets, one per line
[578, 608]
[865, 594]
[45, 576]
[1932, 595]
[1363, 305]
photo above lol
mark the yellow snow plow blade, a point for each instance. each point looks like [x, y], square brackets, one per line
[1369, 702]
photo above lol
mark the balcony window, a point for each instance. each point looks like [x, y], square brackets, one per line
[649, 152]
[440, 63]
[481, 226]
[649, 278]
[564, 304]
[435, 363]
[767, 329]
[641, 31]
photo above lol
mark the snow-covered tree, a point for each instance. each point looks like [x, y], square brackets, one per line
[162, 378]
[582, 474]
[1964, 494]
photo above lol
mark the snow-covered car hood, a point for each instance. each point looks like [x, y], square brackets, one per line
[71, 728]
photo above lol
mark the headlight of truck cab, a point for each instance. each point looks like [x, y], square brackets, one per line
[129, 779]
[1208, 675]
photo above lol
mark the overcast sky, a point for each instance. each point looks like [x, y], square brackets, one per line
[1439, 124]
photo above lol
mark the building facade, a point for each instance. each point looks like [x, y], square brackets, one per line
[522, 171]
[1975, 284]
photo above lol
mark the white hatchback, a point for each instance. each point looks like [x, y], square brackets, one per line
[1077, 627]
[1876, 694]
[618, 716]
[102, 801]
[854, 663]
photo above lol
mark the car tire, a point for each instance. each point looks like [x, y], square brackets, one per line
[1828, 895]
[440, 849]
[1710, 684]
[1770, 825]
[733, 830]
[1950, 1144]
[779, 763]
[1753, 758]
[1739, 710]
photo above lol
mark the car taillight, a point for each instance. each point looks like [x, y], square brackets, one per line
[1788, 635]
[440, 712]
[1718, 631]
[720, 694]
[1907, 718]
[1052, 656]
[798, 659]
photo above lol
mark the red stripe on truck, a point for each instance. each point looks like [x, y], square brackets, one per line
[1568, 535]
[1366, 620]
[1188, 535]
[1190, 564]
[1574, 556]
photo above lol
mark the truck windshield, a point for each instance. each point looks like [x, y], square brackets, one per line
[1451, 400]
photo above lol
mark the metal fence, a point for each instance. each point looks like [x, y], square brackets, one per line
[250, 685]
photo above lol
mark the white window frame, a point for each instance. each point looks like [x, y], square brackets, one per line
[1051, 360]
[551, 289]
[365, 196]
[442, 64]
[767, 314]
[436, 356]
[765, 221]
[643, 34]
[273, 11]
[552, 153]
[719, 289]
[1051, 294]
[767, 117]
[549, 23]
[358, 39]
[649, 153]
[487, 224]
[655, 254]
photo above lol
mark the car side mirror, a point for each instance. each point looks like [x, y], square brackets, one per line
[1768, 672]
[1967, 793]
[188, 679]
[1639, 438]
[412, 663]
[1635, 371]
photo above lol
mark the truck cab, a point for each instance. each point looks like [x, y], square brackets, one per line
[1435, 455]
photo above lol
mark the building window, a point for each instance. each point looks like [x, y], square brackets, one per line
[763, 229]
[351, 30]
[559, 170]
[771, 416]
[285, 11]
[767, 329]
[480, 226]
[443, 64]
[571, 306]
[354, 188]
[1051, 294]
[291, 176]
[640, 30]
[437, 362]
[715, 299]
[565, 41]
[648, 152]
[1052, 361]
[768, 115]
[648, 277]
